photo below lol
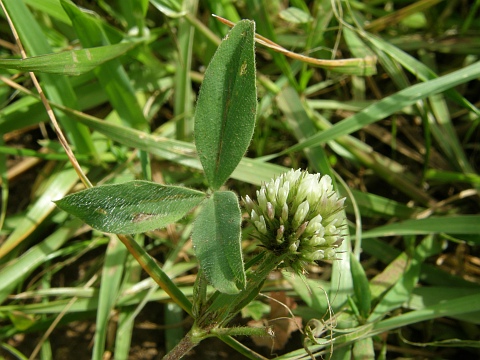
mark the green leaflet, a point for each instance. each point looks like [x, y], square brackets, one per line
[216, 239]
[226, 107]
[132, 207]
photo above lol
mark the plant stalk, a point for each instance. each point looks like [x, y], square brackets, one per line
[182, 348]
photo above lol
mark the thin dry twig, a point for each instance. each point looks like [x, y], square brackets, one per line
[329, 64]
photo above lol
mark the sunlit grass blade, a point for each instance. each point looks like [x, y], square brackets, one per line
[249, 170]
[364, 155]
[50, 7]
[183, 105]
[430, 273]
[399, 15]
[57, 88]
[363, 349]
[374, 205]
[302, 127]
[60, 182]
[361, 287]
[426, 296]
[456, 306]
[415, 67]
[72, 62]
[389, 105]
[400, 291]
[112, 76]
[24, 265]
[135, 13]
[452, 177]
[460, 224]
[4, 185]
[171, 8]
[112, 274]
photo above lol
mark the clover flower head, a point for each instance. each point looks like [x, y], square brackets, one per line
[298, 216]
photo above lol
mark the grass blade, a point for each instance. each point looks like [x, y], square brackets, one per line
[57, 88]
[73, 62]
[389, 105]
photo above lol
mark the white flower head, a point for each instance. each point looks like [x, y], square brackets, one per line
[298, 216]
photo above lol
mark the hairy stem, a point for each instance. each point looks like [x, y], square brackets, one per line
[182, 348]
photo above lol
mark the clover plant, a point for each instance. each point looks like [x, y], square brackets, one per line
[297, 216]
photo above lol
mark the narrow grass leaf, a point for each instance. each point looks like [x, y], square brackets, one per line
[399, 293]
[216, 239]
[389, 105]
[312, 292]
[374, 205]
[460, 224]
[442, 128]
[402, 289]
[24, 112]
[112, 274]
[183, 103]
[124, 333]
[57, 88]
[249, 170]
[430, 295]
[171, 8]
[132, 207]
[452, 307]
[430, 273]
[302, 127]
[342, 282]
[73, 62]
[363, 349]
[361, 287]
[446, 135]
[295, 15]
[354, 66]
[356, 45]
[134, 13]
[50, 7]
[58, 185]
[342, 353]
[226, 107]
[22, 266]
[4, 185]
[112, 76]
[451, 177]
[416, 67]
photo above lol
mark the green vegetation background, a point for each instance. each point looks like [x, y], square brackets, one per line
[403, 143]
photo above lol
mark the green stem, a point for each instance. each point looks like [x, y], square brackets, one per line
[182, 348]
[225, 307]
[211, 318]
[243, 331]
